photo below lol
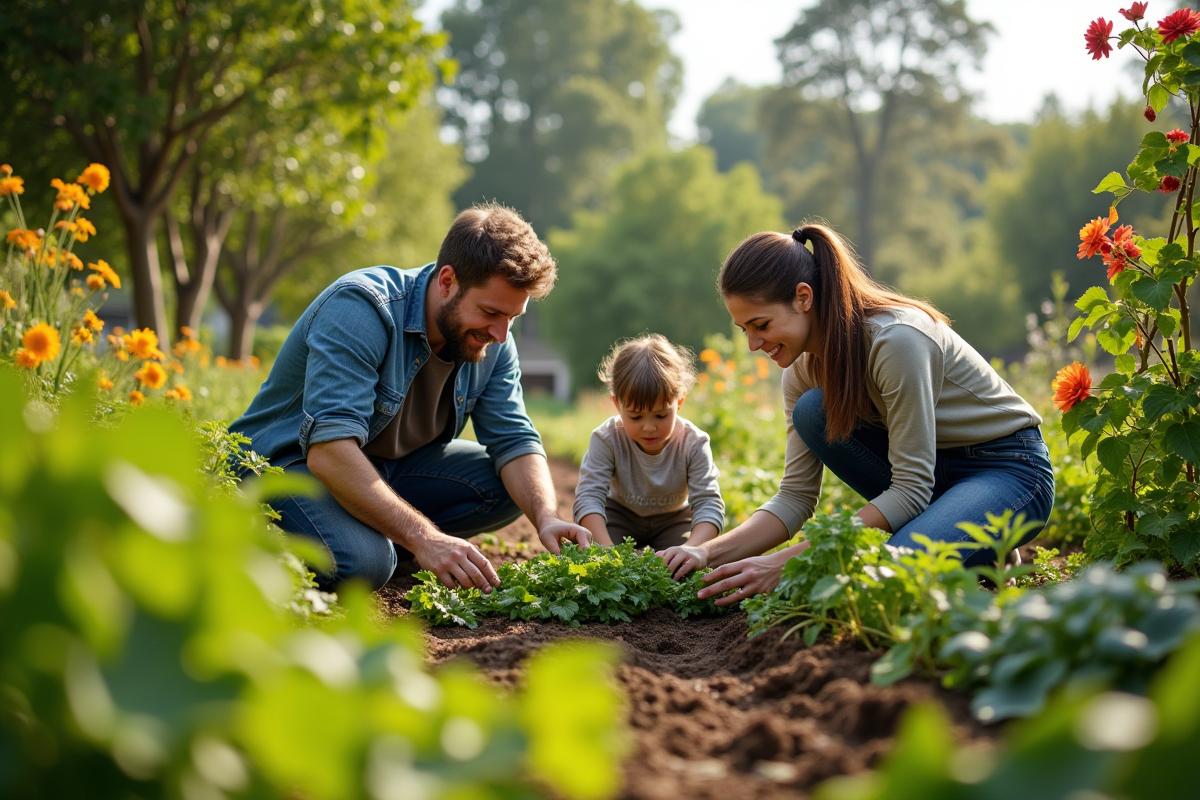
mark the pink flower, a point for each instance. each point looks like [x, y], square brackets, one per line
[1135, 12]
[1183, 22]
[1168, 184]
[1149, 114]
[1097, 38]
[1177, 136]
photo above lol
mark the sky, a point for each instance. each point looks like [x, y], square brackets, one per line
[720, 39]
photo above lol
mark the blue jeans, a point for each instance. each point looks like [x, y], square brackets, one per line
[454, 484]
[1012, 472]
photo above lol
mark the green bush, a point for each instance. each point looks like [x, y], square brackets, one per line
[146, 649]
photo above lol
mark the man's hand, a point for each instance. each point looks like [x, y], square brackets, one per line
[556, 530]
[749, 577]
[456, 562]
[683, 559]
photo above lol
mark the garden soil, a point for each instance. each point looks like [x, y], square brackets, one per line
[713, 714]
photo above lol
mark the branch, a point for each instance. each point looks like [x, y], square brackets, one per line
[145, 69]
[178, 257]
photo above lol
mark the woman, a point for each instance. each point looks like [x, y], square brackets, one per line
[881, 390]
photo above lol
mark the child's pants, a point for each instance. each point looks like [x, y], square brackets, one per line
[657, 531]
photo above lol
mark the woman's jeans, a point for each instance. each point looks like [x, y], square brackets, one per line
[1012, 472]
[454, 484]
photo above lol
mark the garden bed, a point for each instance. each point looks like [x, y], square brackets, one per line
[713, 714]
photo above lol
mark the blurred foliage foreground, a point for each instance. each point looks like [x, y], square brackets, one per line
[150, 646]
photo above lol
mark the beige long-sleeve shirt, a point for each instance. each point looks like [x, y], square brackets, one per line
[930, 390]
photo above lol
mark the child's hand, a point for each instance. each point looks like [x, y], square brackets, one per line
[683, 559]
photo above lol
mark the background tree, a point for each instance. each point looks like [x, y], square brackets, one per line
[140, 87]
[650, 261]
[729, 123]
[553, 94]
[879, 61]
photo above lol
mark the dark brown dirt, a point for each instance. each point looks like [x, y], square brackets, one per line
[712, 713]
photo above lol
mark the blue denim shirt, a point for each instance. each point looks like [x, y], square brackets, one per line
[347, 364]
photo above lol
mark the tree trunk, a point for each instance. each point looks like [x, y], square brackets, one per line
[243, 321]
[149, 309]
[209, 228]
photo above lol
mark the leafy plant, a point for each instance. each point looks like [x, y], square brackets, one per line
[1103, 626]
[1141, 420]
[146, 648]
[596, 584]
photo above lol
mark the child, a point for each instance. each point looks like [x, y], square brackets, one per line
[648, 474]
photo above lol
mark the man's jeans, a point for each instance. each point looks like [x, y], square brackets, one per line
[454, 484]
[1012, 472]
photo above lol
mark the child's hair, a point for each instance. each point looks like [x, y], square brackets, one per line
[647, 372]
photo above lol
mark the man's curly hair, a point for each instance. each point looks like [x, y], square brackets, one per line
[491, 239]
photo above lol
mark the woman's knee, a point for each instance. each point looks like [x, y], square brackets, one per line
[808, 417]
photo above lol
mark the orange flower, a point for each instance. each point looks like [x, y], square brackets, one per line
[221, 362]
[95, 282]
[143, 343]
[81, 335]
[69, 196]
[719, 387]
[11, 186]
[1120, 251]
[136, 398]
[74, 261]
[6, 300]
[748, 380]
[151, 375]
[24, 238]
[104, 383]
[1093, 236]
[95, 178]
[42, 341]
[27, 359]
[764, 368]
[254, 362]
[708, 354]
[180, 393]
[122, 355]
[1072, 384]
[92, 321]
[101, 266]
[702, 377]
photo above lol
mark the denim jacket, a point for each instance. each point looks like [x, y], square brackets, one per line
[347, 364]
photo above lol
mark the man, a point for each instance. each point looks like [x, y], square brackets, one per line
[372, 388]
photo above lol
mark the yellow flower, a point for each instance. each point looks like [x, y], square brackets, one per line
[187, 332]
[95, 282]
[27, 359]
[719, 386]
[95, 178]
[136, 398]
[5, 170]
[6, 300]
[92, 321]
[69, 196]
[11, 186]
[151, 375]
[764, 368]
[84, 228]
[101, 266]
[731, 365]
[74, 261]
[77, 291]
[220, 361]
[143, 343]
[42, 341]
[748, 380]
[104, 383]
[254, 362]
[24, 238]
[122, 355]
[176, 366]
[81, 335]
[180, 393]
[708, 354]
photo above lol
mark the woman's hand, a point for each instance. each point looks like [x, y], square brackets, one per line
[683, 559]
[749, 577]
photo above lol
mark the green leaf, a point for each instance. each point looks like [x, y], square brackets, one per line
[1191, 53]
[1112, 454]
[1076, 326]
[1155, 140]
[1167, 324]
[1158, 96]
[1160, 399]
[1159, 527]
[1113, 182]
[1154, 293]
[1184, 438]
[895, 665]
[1091, 297]
[1185, 545]
[1126, 364]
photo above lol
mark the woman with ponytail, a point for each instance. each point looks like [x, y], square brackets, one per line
[878, 388]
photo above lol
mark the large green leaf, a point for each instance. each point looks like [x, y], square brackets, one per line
[1113, 182]
[1160, 399]
[1154, 293]
[1112, 454]
[1184, 439]
[1185, 544]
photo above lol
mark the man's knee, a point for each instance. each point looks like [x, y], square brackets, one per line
[808, 417]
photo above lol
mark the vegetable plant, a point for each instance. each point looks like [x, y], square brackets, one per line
[596, 584]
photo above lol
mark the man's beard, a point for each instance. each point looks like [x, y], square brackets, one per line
[456, 347]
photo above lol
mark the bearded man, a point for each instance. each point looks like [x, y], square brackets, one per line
[374, 385]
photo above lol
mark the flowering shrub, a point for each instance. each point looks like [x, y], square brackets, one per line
[1141, 420]
[48, 304]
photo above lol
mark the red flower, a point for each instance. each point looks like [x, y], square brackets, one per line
[1092, 235]
[1183, 22]
[1149, 114]
[1072, 384]
[1135, 12]
[1097, 38]
[1177, 136]
[1120, 251]
[1168, 184]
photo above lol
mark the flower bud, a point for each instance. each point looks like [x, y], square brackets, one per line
[1149, 114]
